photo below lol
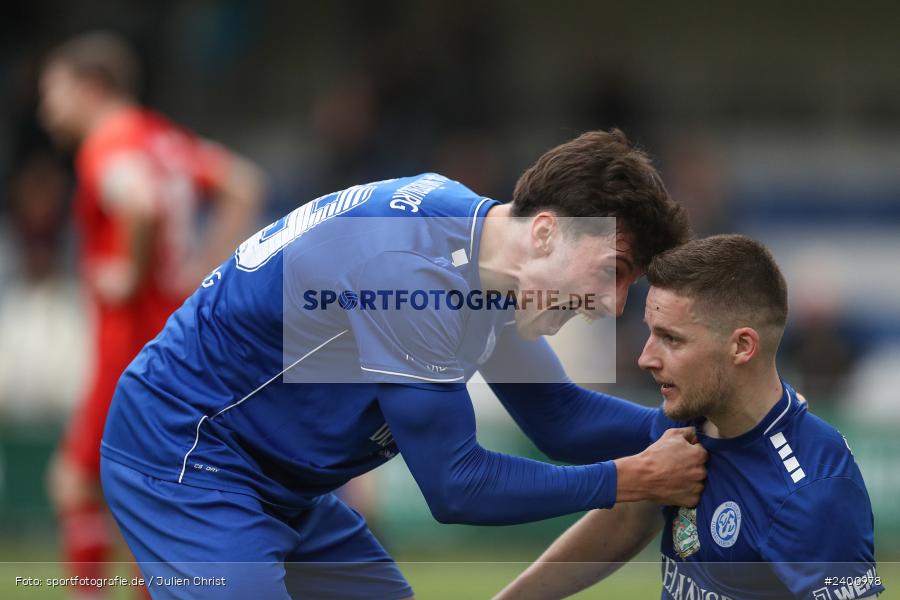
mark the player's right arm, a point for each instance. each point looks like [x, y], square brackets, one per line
[589, 551]
[129, 196]
[565, 421]
[237, 187]
[462, 482]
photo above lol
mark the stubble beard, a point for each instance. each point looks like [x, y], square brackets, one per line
[707, 398]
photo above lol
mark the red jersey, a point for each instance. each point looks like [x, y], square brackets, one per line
[183, 169]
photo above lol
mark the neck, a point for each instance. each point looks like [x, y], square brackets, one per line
[753, 398]
[103, 112]
[498, 265]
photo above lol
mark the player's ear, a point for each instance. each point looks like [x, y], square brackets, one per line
[744, 345]
[543, 226]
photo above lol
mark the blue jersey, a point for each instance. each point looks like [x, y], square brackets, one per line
[784, 509]
[265, 380]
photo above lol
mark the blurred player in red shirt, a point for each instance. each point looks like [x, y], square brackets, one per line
[140, 182]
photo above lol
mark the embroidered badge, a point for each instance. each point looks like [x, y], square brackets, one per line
[685, 536]
[725, 525]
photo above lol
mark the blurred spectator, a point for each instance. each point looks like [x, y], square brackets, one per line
[694, 172]
[345, 123]
[872, 390]
[42, 331]
[607, 96]
[821, 357]
[817, 353]
[473, 159]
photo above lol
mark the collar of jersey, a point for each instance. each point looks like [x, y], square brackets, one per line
[767, 426]
[479, 210]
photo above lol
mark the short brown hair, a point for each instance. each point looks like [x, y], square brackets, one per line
[732, 276]
[601, 174]
[104, 57]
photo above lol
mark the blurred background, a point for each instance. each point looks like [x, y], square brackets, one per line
[778, 120]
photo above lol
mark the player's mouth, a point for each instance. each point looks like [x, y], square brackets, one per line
[557, 317]
[666, 388]
[555, 321]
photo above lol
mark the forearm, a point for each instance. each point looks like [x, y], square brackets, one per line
[464, 483]
[479, 487]
[238, 199]
[577, 425]
[567, 422]
[590, 550]
[129, 198]
[115, 280]
[488, 488]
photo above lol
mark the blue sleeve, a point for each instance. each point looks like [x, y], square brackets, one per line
[824, 529]
[565, 421]
[409, 342]
[464, 483]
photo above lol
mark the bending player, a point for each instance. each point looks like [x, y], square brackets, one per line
[229, 432]
[778, 476]
[140, 181]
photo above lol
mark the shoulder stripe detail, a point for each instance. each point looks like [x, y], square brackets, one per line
[460, 378]
[791, 464]
[248, 396]
[778, 440]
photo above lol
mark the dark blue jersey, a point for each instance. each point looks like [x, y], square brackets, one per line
[785, 508]
[251, 385]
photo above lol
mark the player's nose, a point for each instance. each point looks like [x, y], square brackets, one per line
[648, 360]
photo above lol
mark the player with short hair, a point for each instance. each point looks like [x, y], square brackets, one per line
[140, 182]
[297, 366]
[784, 494]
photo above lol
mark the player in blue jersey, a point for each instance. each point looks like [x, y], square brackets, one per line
[343, 334]
[785, 512]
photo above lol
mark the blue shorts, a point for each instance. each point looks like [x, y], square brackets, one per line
[193, 542]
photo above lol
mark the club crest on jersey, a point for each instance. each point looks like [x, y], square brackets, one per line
[726, 524]
[685, 537]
